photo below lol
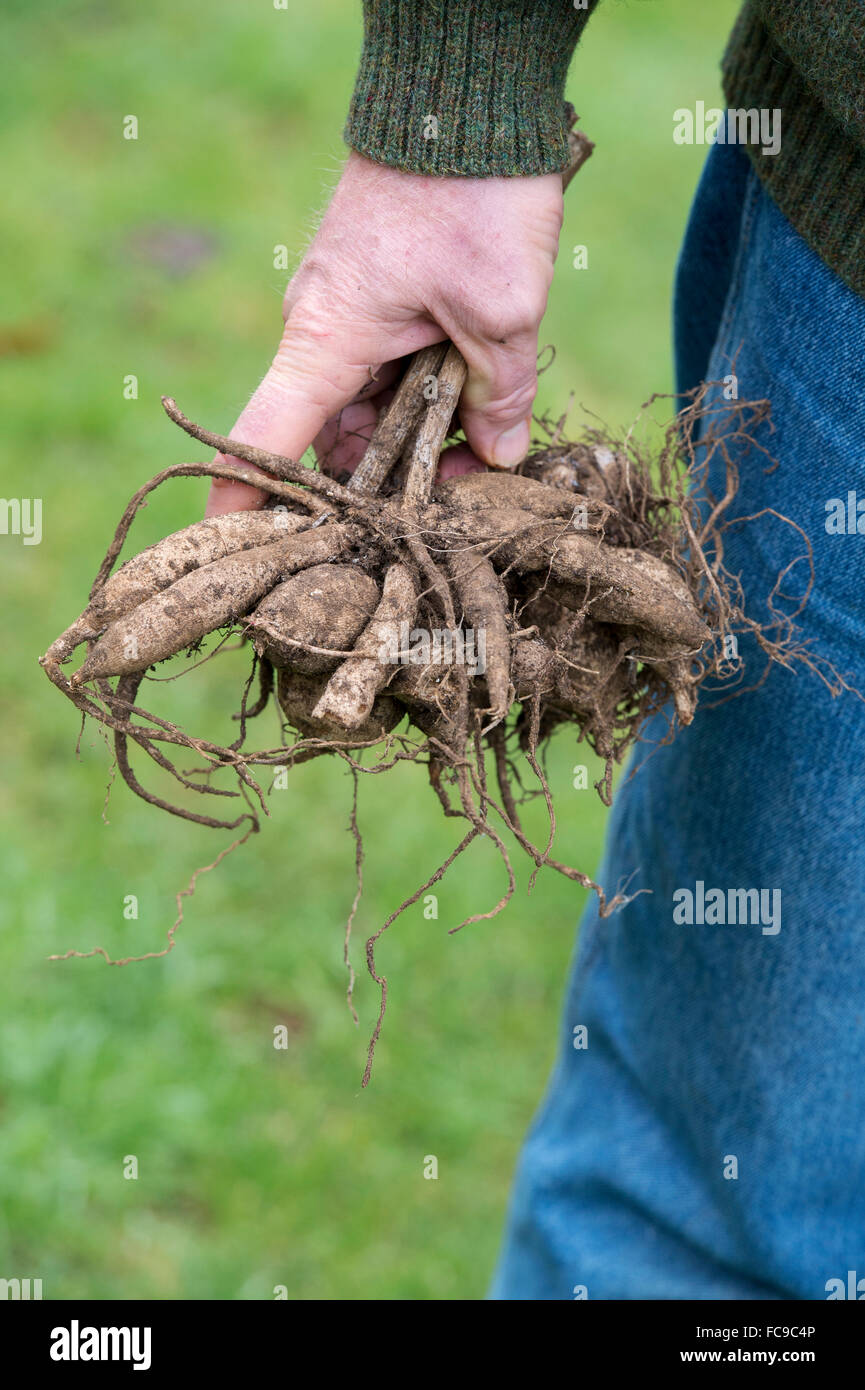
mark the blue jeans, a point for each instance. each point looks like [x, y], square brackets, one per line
[709, 1140]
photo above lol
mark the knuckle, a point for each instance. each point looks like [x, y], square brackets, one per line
[509, 314]
[514, 403]
[309, 361]
[310, 289]
[314, 328]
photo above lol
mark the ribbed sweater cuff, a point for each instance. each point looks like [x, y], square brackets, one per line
[472, 87]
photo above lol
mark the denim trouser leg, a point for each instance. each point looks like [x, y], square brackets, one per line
[710, 1139]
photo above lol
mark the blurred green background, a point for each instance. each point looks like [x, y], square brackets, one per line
[154, 257]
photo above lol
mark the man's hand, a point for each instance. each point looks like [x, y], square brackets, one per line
[399, 262]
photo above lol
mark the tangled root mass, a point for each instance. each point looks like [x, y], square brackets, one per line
[455, 625]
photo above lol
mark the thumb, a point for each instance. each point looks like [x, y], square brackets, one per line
[309, 380]
[496, 403]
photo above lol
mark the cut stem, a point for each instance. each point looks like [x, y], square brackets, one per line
[397, 422]
[433, 429]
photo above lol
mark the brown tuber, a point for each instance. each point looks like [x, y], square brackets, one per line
[207, 598]
[315, 613]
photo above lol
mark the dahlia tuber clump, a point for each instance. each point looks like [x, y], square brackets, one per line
[455, 624]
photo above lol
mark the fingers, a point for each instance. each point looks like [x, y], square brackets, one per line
[457, 460]
[495, 410]
[343, 441]
[341, 445]
[310, 379]
[311, 395]
[380, 378]
[496, 403]
[306, 384]
[227, 496]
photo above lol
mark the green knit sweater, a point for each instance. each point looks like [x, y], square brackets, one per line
[476, 87]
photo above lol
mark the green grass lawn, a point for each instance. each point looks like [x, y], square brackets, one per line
[154, 258]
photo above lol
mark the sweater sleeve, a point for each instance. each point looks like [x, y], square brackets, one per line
[472, 87]
[825, 43]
